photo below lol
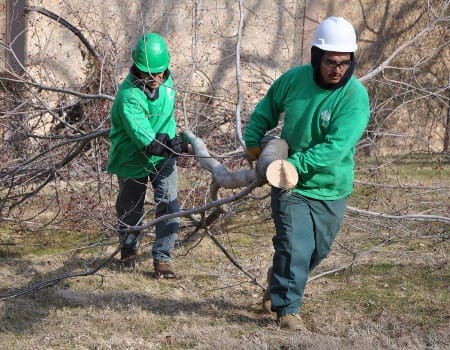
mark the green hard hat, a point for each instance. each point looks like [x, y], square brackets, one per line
[150, 54]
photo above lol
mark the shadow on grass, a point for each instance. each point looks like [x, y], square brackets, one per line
[19, 314]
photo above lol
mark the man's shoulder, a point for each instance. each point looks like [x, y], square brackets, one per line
[300, 69]
[356, 86]
[357, 83]
[128, 91]
[296, 75]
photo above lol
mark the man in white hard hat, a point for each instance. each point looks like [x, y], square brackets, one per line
[326, 110]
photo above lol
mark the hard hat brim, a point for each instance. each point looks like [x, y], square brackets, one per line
[336, 48]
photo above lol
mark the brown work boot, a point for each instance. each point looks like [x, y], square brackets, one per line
[267, 301]
[128, 257]
[291, 322]
[163, 269]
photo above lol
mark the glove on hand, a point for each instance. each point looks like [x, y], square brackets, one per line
[164, 146]
[160, 146]
[253, 153]
[178, 145]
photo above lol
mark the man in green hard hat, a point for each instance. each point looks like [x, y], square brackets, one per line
[144, 147]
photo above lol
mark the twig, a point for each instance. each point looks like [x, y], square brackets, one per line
[51, 173]
[417, 217]
[238, 75]
[400, 186]
[406, 44]
[63, 91]
[194, 60]
[66, 24]
[326, 273]
[233, 260]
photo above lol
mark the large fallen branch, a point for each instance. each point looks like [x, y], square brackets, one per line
[271, 167]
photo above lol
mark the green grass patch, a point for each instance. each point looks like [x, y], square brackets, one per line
[21, 244]
[420, 292]
[419, 168]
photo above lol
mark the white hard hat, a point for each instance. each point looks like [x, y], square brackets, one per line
[335, 34]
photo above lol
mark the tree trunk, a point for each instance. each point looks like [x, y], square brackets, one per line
[447, 132]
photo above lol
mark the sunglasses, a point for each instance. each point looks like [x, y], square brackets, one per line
[331, 64]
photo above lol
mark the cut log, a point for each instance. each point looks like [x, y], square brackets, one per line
[273, 148]
[282, 174]
[273, 166]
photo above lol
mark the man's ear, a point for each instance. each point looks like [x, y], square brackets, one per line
[166, 74]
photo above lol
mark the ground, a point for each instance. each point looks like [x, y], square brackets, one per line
[394, 297]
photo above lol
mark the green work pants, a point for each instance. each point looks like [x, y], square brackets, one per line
[305, 231]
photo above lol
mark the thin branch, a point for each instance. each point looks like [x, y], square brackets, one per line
[51, 173]
[331, 272]
[52, 281]
[194, 41]
[65, 91]
[233, 260]
[400, 186]
[66, 24]
[238, 76]
[386, 63]
[203, 208]
[68, 140]
[416, 217]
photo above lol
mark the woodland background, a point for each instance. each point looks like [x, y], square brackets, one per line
[386, 283]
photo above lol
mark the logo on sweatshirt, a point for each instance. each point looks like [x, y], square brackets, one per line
[325, 117]
[170, 92]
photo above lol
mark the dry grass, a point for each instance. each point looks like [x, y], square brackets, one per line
[382, 303]
[396, 295]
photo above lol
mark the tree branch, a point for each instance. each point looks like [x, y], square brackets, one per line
[52, 281]
[233, 260]
[416, 217]
[66, 24]
[238, 75]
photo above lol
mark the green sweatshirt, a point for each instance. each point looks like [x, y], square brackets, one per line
[320, 126]
[135, 120]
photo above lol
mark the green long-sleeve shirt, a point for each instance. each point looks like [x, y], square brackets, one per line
[135, 120]
[320, 126]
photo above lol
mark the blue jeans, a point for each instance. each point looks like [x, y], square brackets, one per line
[130, 209]
[305, 231]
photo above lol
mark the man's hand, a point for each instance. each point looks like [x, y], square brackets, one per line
[159, 146]
[164, 146]
[253, 153]
[178, 146]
